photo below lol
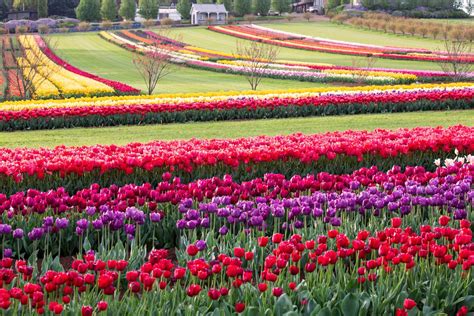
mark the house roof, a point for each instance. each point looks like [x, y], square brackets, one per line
[204, 7]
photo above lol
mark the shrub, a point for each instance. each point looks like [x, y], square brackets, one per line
[84, 26]
[43, 29]
[230, 19]
[307, 16]
[149, 23]
[126, 24]
[21, 29]
[422, 30]
[434, 32]
[106, 25]
[290, 17]
[166, 22]
[64, 29]
[250, 18]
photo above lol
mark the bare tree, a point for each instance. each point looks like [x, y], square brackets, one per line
[155, 63]
[33, 69]
[457, 64]
[257, 58]
[362, 68]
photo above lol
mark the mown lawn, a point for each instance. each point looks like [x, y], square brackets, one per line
[355, 34]
[89, 52]
[125, 134]
[202, 37]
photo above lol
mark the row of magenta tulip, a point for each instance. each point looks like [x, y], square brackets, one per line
[102, 217]
[196, 57]
[274, 106]
[291, 40]
[120, 88]
[244, 158]
[393, 269]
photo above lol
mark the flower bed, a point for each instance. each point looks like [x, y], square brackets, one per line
[217, 61]
[233, 106]
[245, 158]
[63, 80]
[378, 249]
[119, 87]
[291, 40]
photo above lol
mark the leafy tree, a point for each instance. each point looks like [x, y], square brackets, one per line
[3, 9]
[43, 8]
[261, 7]
[108, 10]
[184, 8]
[88, 10]
[242, 7]
[148, 9]
[23, 4]
[127, 9]
[281, 5]
[228, 4]
[62, 7]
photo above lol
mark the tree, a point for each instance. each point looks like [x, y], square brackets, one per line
[43, 8]
[281, 5]
[127, 9]
[261, 7]
[184, 8]
[88, 10]
[258, 57]
[228, 4]
[62, 7]
[242, 7]
[457, 65]
[154, 64]
[108, 10]
[148, 9]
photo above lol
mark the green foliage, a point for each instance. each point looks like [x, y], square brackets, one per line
[62, 7]
[204, 1]
[23, 4]
[88, 10]
[108, 10]
[148, 9]
[405, 5]
[184, 7]
[228, 4]
[127, 9]
[331, 4]
[43, 8]
[3, 9]
[261, 7]
[242, 7]
[281, 5]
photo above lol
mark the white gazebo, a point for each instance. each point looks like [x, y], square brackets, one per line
[203, 13]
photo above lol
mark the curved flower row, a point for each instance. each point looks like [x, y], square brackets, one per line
[339, 152]
[213, 60]
[225, 95]
[291, 40]
[53, 79]
[118, 86]
[95, 113]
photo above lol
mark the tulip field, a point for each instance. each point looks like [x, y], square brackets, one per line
[348, 192]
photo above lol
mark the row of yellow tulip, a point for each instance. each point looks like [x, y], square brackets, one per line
[213, 96]
[51, 79]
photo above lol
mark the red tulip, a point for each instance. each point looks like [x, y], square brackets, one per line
[408, 303]
[239, 307]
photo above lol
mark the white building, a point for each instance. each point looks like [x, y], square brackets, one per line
[204, 13]
[169, 13]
